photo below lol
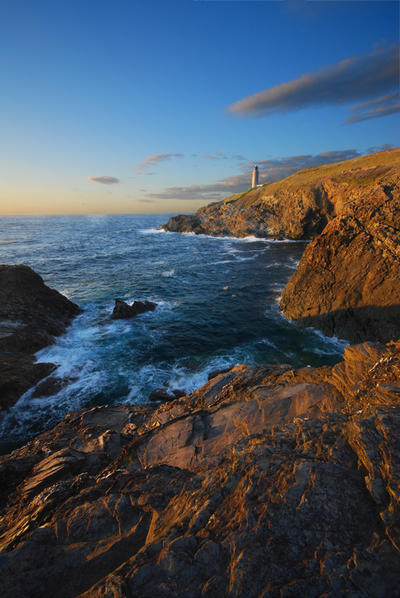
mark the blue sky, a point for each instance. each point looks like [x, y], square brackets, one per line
[144, 106]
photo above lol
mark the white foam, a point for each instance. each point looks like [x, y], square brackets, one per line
[152, 231]
[338, 343]
[240, 258]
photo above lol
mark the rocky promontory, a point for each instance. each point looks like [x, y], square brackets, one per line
[297, 207]
[31, 314]
[347, 280]
[265, 482]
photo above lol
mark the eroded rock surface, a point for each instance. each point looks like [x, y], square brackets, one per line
[265, 482]
[347, 282]
[31, 314]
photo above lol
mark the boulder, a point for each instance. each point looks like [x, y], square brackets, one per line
[123, 310]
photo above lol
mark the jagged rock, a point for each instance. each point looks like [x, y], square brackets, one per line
[347, 282]
[123, 310]
[267, 481]
[30, 315]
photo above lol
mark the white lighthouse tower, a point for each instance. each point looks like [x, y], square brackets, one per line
[254, 179]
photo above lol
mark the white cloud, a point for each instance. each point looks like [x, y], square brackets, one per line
[103, 180]
[155, 159]
[350, 80]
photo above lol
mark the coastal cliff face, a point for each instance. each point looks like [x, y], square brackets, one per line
[347, 282]
[265, 482]
[31, 314]
[298, 207]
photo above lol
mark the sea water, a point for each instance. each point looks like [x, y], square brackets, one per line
[217, 306]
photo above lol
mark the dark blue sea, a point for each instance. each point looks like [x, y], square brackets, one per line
[217, 306]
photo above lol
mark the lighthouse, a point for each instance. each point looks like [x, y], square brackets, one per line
[254, 180]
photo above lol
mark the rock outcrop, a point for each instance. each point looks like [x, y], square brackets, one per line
[31, 314]
[347, 282]
[122, 310]
[265, 482]
[298, 207]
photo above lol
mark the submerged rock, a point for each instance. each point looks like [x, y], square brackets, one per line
[123, 310]
[266, 481]
[31, 314]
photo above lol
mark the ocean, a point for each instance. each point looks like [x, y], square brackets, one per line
[218, 305]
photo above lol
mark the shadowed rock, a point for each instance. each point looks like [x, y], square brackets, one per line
[123, 310]
[164, 393]
[31, 314]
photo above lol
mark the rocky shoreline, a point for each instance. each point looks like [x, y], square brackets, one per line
[31, 315]
[265, 482]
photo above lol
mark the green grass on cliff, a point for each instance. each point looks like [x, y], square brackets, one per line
[358, 172]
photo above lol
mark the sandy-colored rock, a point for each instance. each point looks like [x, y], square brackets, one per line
[267, 481]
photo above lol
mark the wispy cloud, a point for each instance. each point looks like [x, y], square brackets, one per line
[381, 148]
[270, 170]
[351, 80]
[216, 156]
[389, 104]
[155, 159]
[103, 180]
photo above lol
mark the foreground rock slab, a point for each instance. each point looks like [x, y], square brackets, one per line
[31, 314]
[266, 481]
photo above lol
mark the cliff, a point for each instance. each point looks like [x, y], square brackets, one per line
[31, 314]
[297, 207]
[347, 282]
[265, 482]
